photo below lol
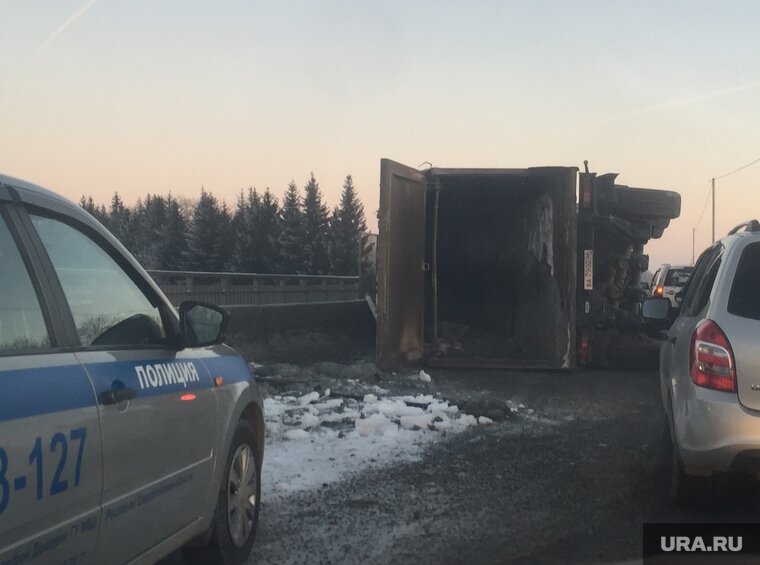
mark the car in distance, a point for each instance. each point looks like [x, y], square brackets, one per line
[710, 366]
[127, 429]
[669, 280]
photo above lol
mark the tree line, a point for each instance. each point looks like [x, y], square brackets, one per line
[261, 235]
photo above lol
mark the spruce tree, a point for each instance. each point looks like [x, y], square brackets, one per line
[241, 246]
[291, 241]
[135, 227]
[225, 240]
[118, 222]
[256, 224]
[348, 231]
[204, 244]
[267, 234]
[87, 203]
[149, 225]
[173, 234]
[315, 229]
[98, 212]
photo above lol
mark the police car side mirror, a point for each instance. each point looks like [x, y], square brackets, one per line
[202, 324]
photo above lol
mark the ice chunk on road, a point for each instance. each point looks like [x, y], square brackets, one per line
[309, 421]
[328, 405]
[273, 409]
[376, 423]
[313, 440]
[424, 377]
[392, 408]
[484, 420]
[307, 399]
[418, 399]
[418, 421]
[297, 434]
[443, 409]
[345, 416]
[466, 420]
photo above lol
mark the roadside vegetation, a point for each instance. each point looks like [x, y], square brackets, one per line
[260, 235]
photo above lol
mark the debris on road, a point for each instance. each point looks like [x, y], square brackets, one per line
[315, 440]
[424, 377]
[329, 421]
[493, 409]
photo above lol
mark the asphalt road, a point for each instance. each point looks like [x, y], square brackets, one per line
[571, 483]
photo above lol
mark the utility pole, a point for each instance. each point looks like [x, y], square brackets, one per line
[693, 232]
[713, 207]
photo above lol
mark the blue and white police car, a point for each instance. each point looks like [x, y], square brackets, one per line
[127, 429]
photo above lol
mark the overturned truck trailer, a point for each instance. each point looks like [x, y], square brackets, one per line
[506, 267]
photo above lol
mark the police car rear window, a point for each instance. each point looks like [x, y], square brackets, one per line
[744, 299]
[678, 277]
[22, 326]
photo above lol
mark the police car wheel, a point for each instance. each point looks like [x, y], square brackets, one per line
[237, 509]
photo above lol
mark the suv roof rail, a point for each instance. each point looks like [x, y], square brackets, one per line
[750, 225]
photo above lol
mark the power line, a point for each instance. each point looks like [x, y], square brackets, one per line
[712, 181]
[703, 209]
[739, 169]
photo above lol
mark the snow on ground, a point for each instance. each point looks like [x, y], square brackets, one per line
[316, 439]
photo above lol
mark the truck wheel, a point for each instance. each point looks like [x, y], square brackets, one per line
[237, 509]
[644, 202]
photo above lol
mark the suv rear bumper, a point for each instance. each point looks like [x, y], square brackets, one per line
[717, 433]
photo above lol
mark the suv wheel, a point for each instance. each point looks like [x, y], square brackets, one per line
[237, 509]
[688, 491]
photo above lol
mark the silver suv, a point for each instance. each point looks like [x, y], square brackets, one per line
[710, 365]
[127, 429]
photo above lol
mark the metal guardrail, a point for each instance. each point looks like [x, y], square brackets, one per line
[241, 289]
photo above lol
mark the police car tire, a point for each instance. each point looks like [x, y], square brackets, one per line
[221, 549]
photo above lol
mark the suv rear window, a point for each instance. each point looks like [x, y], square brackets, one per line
[700, 285]
[744, 300]
[678, 277]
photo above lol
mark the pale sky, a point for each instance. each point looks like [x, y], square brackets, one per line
[155, 96]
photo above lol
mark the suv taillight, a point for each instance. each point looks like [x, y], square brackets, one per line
[659, 290]
[711, 361]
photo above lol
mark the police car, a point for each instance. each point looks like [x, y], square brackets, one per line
[127, 429]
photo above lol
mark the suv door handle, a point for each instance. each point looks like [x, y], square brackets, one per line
[117, 395]
[672, 340]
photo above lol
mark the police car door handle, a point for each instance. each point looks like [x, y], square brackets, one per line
[117, 395]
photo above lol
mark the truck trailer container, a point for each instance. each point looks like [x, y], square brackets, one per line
[514, 268]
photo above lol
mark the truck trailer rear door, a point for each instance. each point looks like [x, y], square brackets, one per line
[400, 264]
